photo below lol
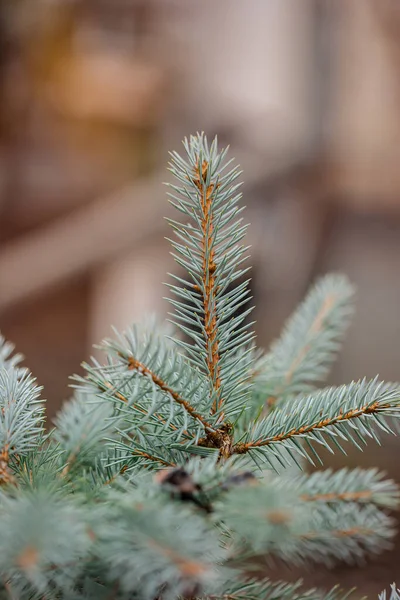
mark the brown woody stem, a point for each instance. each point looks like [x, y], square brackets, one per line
[209, 282]
[326, 307]
[136, 365]
[108, 387]
[340, 533]
[350, 414]
[6, 476]
[345, 496]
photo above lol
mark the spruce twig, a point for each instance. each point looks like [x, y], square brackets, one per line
[159, 479]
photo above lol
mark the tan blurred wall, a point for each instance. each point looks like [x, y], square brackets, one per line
[364, 144]
[247, 70]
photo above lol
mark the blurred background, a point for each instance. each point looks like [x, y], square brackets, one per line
[93, 93]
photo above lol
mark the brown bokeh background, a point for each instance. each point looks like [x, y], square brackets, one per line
[93, 93]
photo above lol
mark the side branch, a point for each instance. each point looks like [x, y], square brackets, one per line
[153, 458]
[359, 496]
[106, 386]
[136, 365]
[368, 409]
[315, 327]
[355, 531]
[146, 455]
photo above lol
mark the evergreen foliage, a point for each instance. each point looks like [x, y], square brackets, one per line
[169, 473]
[394, 594]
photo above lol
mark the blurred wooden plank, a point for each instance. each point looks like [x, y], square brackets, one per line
[76, 243]
[128, 289]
